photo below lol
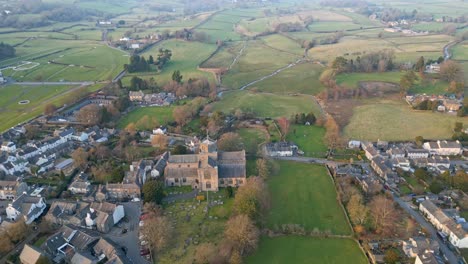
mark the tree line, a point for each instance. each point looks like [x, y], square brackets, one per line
[140, 64]
[6, 51]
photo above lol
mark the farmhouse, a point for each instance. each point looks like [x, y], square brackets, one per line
[457, 236]
[208, 170]
[27, 206]
[136, 96]
[280, 149]
[443, 148]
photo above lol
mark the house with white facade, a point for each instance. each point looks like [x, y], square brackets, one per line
[8, 146]
[80, 136]
[443, 148]
[442, 222]
[26, 206]
[10, 190]
[280, 149]
[79, 187]
[417, 153]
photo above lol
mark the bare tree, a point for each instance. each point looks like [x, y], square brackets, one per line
[157, 232]
[230, 142]
[242, 232]
[384, 214]
[80, 158]
[252, 198]
[284, 126]
[451, 71]
[358, 212]
[205, 253]
[90, 114]
[49, 109]
[160, 141]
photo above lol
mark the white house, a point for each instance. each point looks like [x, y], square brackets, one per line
[444, 148]
[28, 152]
[8, 146]
[280, 149]
[12, 167]
[80, 136]
[12, 189]
[27, 206]
[159, 131]
[417, 153]
[456, 234]
[353, 144]
[135, 46]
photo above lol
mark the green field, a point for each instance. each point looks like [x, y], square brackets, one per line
[372, 120]
[186, 56]
[460, 51]
[265, 104]
[332, 26]
[224, 57]
[12, 113]
[252, 138]
[304, 194]
[162, 115]
[307, 250]
[310, 139]
[302, 78]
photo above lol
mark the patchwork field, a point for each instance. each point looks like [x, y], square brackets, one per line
[371, 122]
[304, 194]
[306, 250]
[225, 56]
[265, 104]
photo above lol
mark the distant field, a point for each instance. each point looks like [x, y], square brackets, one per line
[351, 80]
[224, 57]
[310, 139]
[162, 115]
[302, 78]
[256, 61]
[186, 56]
[429, 26]
[265, 104]
[307, 250]
[77, 61]
[332, 26]
[304, 194]
[371, 122]
[460, 52]
[282, 43]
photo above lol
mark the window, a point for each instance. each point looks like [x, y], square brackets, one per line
[188, 166]
[230, 181]
[176, 179]
[184, 180]
[180, 165]
[221, 181]
[208, 185]
[240, 181]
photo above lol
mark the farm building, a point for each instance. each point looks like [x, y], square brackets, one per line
[280, 149]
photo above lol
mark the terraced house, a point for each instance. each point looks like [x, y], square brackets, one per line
[208, 170]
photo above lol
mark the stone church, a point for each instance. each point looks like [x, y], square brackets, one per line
[208, 170]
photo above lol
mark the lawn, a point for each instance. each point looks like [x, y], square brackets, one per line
[161, 114]
[371, 120]
[304, 194]
[266, 104]
[307, 250]
[310, 139]
[302, 78]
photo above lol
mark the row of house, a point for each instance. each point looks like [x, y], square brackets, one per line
[156, 99]
[442, 222]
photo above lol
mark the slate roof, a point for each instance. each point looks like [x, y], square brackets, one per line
[190, 158]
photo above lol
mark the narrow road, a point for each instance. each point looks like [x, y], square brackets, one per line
[447, 47]
[452, 258]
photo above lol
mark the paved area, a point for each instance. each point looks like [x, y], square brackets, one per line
[451, 257]
[130, 239]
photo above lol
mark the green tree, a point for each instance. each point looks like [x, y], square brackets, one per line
[407, 81]
[263, 168]
[153, 191]
[420, 65]
[458, 127]
[421, 173]
[151, 59]
[419, 141]
[177, 77]
[391, 256]
[179, 149]
[340, 64]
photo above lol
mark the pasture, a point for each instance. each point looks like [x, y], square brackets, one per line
[304, 194]
[256, 61]
[12, 113]
[186, 56]
[252, 138]
[307, 250]
[225, 56]
[371, 120]
[157, 115]
[302, 78]
[265, 104]
[310, 139]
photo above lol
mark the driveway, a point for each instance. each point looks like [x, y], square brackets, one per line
[452, 258]
[130, 239]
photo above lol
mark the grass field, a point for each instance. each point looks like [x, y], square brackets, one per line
[304, 194]
[302, 78]
[306, 250]
[163, 115]
[252, 138]
[224, 57]
[12, 113]
[186, 56]
[265, 104]
[310, 139]
[256, 62]
[371, 122]
[460, 51]
[332, 26]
